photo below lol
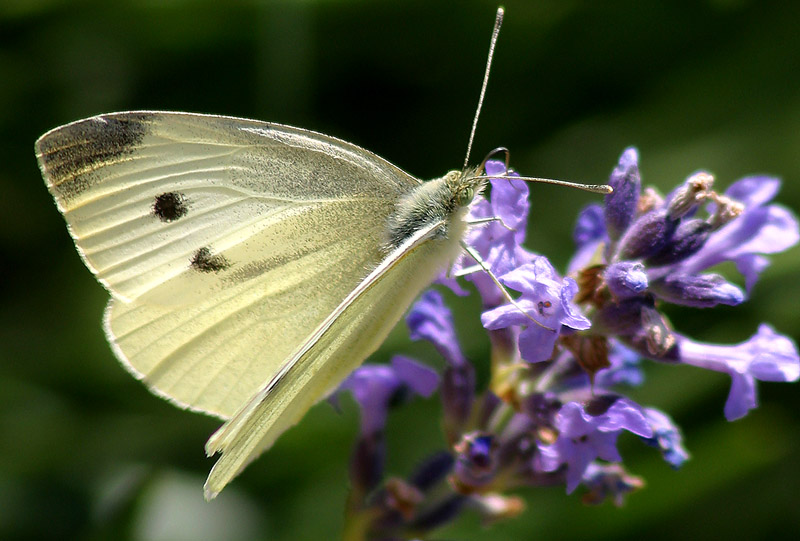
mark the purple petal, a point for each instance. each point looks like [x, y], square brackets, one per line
[536, 343]
[421, 379]
[510, 202]
[624, 414]
[430, 319]
[589, 226]
[572, 317]
[754, 191]
[372, 386]
[767, 356]
[742, 396]
[759, 230]
[605, 446]
[589, 235]
[667, 437]
[582, 457]
[508, 315]
[530, 279]
[375, 385]
[751, 266]
[573, 422]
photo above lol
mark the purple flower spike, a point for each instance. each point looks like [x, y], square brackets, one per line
[375, 385]
[767, 356]
[546, 298]
[620, 205]
[558, 422]
[584, 437]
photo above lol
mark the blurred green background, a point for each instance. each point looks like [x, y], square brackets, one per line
[86, 452]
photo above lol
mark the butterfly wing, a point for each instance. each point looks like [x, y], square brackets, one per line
[224, 242]
[342, 341]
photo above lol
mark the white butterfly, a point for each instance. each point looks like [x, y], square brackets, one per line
[252, 266]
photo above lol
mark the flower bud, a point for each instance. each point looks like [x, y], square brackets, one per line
[626, 278]
[620, 205]
[699, 291]
[646, 236]
[690, 236]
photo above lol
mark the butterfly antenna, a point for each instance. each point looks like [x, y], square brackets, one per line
[603, 189]
[511, 175]
[498, 22]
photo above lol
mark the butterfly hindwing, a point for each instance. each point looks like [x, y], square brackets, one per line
[352, 331]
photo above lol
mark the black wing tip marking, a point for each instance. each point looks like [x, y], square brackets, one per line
[68, 153]
[170, 206]
[204, 261]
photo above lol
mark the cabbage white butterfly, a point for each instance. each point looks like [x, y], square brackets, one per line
[251, 265]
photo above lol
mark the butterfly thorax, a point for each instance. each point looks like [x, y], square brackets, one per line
[438, 203]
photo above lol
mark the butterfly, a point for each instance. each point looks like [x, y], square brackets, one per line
[251, 265]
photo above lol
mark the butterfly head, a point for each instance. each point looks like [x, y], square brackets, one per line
[464, 186]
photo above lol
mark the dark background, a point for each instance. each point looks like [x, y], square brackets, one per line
[87, 452]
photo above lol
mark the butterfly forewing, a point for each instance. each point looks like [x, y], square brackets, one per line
[144, 193]
[199, 226]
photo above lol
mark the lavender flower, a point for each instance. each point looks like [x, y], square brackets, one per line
[376, 388]
[543, 308]
[766, 356]
[590, 432]
[566, 348]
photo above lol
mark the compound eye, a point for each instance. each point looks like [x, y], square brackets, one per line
[465, 197]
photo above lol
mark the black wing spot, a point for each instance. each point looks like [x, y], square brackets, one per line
[170, 206]
[204, 261]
